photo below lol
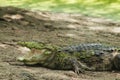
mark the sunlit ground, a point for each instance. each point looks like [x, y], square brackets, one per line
[97, 8]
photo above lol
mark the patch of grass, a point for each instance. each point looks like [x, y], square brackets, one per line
[96, 8]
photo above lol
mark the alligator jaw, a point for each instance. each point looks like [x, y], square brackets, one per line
[20, 59]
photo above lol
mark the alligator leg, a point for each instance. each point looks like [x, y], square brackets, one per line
[79, 67]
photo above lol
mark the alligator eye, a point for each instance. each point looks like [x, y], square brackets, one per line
[59, 51]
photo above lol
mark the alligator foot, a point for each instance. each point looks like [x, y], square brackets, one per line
[79, 67]
[78, 70]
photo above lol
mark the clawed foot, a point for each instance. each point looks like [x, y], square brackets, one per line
[78, 70]
[79, 67]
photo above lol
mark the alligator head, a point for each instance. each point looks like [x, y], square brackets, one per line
[36, 56]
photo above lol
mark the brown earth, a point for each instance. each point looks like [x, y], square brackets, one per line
[55, 28]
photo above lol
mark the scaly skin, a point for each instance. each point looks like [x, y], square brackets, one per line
[78, 58]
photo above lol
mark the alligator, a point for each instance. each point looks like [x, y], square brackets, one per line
[79, 58]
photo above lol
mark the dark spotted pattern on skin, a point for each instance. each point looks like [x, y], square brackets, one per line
[96, 47]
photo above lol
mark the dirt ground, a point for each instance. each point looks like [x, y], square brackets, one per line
[55, 28]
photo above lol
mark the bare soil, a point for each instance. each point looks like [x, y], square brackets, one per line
[59, 29]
